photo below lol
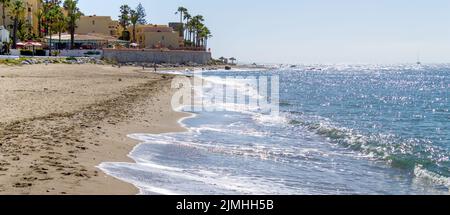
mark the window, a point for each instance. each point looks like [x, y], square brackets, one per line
[163, 38]
[93, 22]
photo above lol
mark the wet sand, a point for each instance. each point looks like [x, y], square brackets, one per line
[58, 122]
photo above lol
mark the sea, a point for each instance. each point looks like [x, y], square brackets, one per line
[332, 130]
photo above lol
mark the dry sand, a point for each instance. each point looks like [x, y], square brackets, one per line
[58, 122]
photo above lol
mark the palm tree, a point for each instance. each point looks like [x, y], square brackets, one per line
[189, 30]
[46, 7]
[198, 31]
[17, 13]
[134, 18]
[73, 14]
[187, 17]
[232, 59]
[60, 24]
[40, 15]
[5, 5]
[181, 11]
[23, 30]
[51, 13]
[196, 24]
[204, 35]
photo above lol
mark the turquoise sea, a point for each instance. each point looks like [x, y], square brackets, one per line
[341, 129]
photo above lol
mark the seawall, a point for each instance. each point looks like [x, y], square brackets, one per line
[156, 56]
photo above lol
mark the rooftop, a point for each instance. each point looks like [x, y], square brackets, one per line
[155, 28]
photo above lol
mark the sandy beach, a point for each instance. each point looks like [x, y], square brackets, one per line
[58, 122]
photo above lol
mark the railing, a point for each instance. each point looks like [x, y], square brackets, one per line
[191, 48]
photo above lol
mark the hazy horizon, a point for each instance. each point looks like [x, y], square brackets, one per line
[308, 32]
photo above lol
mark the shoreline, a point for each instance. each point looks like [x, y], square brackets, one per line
[48, 150]
[137, 143]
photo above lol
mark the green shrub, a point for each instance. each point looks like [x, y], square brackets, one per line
[92, 53]
[13, 62]
[25, 52]
[40, 52]
[125, 35]
[70, 58]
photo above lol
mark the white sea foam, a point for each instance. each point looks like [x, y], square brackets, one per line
[181, 182]
[424, 174]
[268, 119]
[256, 150]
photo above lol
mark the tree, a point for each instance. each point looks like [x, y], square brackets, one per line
[46, 7]
[181, 11]
[204, 35]
[187, 17]
[137, 17]
[232, 59]
[73, 14]
[17, 13]
[40, 16]
[124, 20]
[60, 24]
[134, 17]
[50, 15]
[25, 30]
[5, 5]
[196, 26]
[140, 10]
[124, 17]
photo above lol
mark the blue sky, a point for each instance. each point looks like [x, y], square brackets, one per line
[311, 31]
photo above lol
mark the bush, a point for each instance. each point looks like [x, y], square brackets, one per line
[13, 62]
[40, 52]
[125, 36]
[92, 53]
[56, 53]
[37, 52]
[70, 58]
[25, 52]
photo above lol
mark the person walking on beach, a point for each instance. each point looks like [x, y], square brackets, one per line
[154, 66]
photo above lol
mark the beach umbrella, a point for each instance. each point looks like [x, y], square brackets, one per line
[36, 44]
[29, 44]
[134, 45]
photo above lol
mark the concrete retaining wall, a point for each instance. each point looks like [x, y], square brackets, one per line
[16, 52]
[79, 53]
[156, 56]
[66, 53]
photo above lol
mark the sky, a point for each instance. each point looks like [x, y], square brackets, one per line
[311, 31]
